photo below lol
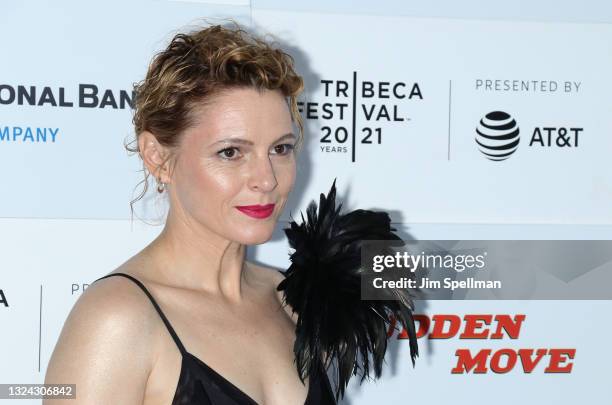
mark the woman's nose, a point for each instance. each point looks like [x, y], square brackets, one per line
[262, 176]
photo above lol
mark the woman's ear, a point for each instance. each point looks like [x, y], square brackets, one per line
[154, 155]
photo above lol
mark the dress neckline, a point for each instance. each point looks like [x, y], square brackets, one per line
[233, 386]
[187, 355]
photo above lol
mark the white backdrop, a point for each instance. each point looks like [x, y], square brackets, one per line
[64, 211]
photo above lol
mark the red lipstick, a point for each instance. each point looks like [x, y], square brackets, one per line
[257, 211]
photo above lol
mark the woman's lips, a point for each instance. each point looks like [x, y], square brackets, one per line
[257, 211]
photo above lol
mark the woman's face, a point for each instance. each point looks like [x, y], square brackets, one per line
[240, 152]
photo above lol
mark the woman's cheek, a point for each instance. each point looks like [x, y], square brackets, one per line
[289, 173]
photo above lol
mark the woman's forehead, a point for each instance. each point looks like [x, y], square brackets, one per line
[244, 114]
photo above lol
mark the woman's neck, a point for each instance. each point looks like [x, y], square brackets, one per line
[193, 257]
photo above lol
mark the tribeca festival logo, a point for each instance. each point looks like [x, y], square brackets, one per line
[354, 112]
[87, 96]
[497, 135]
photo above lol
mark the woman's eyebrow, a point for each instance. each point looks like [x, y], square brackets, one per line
[247, 142]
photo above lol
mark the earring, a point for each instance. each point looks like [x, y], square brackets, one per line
[160, 186]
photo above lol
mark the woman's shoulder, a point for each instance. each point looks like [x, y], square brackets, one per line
[116, 296]
[123, 297]
[117, 305]
[268, 275]
[109, 332]
[273, 277]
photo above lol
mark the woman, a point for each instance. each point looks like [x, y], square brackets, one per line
[188, 320]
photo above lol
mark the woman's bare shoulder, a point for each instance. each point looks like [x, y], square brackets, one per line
[106, 345]
[273, 277]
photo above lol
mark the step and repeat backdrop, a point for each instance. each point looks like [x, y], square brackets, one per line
[471, 123]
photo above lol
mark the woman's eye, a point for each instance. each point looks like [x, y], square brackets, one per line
[228, 153]
[232, 153]
[284, 148]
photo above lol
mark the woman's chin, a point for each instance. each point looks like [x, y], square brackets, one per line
[254, 241]
[256, 238]
[254, 231]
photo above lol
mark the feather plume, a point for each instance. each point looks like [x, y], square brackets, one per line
[323, 286]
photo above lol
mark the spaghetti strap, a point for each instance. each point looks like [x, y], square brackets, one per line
[157, 308]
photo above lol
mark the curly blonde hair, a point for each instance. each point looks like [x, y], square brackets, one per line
[198, 65]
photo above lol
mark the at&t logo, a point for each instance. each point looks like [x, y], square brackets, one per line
[497, 135]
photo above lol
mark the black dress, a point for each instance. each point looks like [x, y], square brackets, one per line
[199, 384]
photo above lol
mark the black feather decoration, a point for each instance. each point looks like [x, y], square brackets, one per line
[323, 286]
